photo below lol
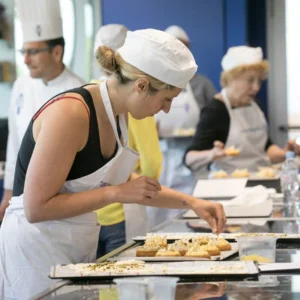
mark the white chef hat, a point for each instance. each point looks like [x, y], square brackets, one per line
[159, 55]
[241, 55]
[178, 32]
[40, 19]
[111, 35]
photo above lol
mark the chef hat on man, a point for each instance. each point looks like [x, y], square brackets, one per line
[178, 32]
[160, 55]
[241, 55]
[40, 19]
[111, 35]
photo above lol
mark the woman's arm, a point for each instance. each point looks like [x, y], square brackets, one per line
[211, 134]
[60, 132]
[277, 154]
[161, 196]
[198, 159]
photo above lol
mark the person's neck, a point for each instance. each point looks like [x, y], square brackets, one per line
[55, 73]
[117, 94]
[234, 100]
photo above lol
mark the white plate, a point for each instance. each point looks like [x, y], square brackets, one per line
[219, 188]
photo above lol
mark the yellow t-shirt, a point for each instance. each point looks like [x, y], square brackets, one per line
[143, 138]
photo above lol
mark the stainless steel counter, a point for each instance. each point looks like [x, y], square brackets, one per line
[271, 286]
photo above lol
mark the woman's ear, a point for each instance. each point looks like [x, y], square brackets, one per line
[142, 85]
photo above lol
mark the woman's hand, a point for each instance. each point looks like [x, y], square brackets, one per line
[292, 146]
[218, 150]
[212, 212]
[138, 190]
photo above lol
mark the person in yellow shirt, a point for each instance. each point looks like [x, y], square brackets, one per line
[143, 138]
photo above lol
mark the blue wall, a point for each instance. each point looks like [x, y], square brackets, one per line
[212, 25]
[235, 19]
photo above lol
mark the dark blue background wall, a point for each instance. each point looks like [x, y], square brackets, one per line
[212, 25]
[204, 21]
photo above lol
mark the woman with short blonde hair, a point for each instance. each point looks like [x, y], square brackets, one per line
[235, 121]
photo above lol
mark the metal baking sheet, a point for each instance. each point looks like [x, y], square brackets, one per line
[189, 268]
[131, 254]
[226, 236]
[252, 177]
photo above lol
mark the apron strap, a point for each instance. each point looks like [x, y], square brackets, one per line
[227, 102]
[110, 114]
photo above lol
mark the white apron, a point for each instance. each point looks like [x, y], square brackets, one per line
[184, 114]
[27, 251]
[248, 131]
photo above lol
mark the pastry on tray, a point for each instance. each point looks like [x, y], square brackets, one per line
[148, 251]
[197, 253]
[240, 173]
[180, 245]
[213, 250]
[222, 244]
[156, 241]
[232, 151]
[200, 240]
[220, 174]
[167, 252]
[265, 172]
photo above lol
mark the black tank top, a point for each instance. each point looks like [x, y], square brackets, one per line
[87, 161]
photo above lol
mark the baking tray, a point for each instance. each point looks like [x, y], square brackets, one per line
[252, 177]
[226, 236]
[187, 268]
[130, 254]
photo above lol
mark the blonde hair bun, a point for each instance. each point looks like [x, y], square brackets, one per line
[106, 59]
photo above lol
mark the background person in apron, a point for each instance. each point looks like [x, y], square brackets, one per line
[75, 159]
[43, 47]
[143, 138]
[233, 118]
[176, 130]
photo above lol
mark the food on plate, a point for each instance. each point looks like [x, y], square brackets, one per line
[265, 172]
[220, 174]
[181, 246]
[213, 250]
[278, 235]
[240, 173]
[156, 241]
[197, 253]
[255, 257]
[198, 246]
[232, 151]
[200, 240]
[222, 244]
[111, 266]
[184, 132]
[167, 252]
[146, 251]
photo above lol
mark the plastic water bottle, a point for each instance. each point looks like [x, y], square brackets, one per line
[289, 178]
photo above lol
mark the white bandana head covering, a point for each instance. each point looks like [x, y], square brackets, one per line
[160, 55]
[40, 19]
[241, 55]
[178, 32]
[111, 35]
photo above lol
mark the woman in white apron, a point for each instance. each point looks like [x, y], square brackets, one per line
[60, 179]
[142, 138]
[176, 130]
[234, 119]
